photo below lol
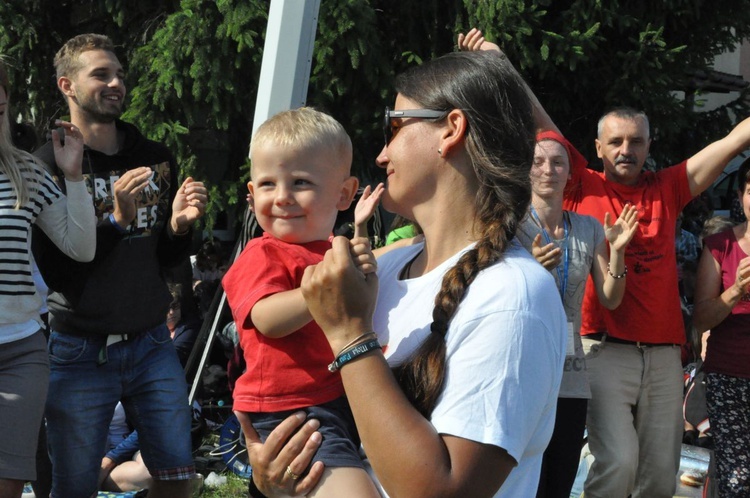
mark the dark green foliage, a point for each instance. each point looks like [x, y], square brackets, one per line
[583, 57]
[193, 66]
[196, 90]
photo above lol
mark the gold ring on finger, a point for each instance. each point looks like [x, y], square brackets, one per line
[291, 474]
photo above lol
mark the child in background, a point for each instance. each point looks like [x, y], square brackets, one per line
[300, 179]
[209, 263]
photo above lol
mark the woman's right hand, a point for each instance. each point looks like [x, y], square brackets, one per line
[340, 300]
[285, 453]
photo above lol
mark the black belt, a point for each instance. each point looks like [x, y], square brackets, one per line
[603, 336]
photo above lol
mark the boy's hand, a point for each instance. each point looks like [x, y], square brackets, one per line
[365, 208]
[362, 255]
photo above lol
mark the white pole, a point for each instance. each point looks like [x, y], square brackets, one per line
[284, 76]
[287, 57]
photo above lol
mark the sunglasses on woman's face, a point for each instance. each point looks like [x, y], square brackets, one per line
[389, 131]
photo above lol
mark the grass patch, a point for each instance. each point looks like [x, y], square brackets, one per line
[236, 487]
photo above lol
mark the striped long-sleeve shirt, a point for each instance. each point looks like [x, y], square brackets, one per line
[69, 222]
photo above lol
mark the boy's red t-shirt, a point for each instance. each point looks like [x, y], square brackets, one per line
[290, 372]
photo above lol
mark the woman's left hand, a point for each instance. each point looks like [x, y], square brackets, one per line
[621, 233]
[69, 157]
[339, 298]
[278, 463]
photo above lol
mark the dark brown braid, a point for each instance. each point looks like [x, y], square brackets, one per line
[500, 141]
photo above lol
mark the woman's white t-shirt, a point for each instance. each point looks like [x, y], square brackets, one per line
[505, 353]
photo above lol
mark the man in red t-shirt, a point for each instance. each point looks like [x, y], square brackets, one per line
[634, 417]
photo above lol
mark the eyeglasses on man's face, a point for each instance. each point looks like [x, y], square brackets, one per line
[389, 130]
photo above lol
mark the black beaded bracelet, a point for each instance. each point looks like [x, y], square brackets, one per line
[625, 272]
[348, 355]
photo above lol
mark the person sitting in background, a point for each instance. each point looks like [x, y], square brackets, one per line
[183, 326]
[209, 264]
[401, 228]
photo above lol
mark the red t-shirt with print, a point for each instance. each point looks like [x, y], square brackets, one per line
[650, 309]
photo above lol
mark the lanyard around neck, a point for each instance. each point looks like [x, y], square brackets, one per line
[562, 273]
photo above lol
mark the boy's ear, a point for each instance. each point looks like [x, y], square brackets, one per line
[250, 197]
[348, 189]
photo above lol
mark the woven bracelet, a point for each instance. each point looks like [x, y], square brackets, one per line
[348, 355]
[358, 340]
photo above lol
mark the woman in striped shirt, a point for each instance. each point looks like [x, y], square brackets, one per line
[28, 195]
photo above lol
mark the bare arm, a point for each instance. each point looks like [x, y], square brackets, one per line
[443, 465]
[474, 40]
[711, 305]
[611, 290]
[705, 166]
[280, 314]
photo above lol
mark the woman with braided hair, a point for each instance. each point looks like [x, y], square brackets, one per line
[461, 400]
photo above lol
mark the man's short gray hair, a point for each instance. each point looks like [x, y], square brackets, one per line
[623, 113]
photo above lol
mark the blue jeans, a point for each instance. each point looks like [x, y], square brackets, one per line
[87, 379]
